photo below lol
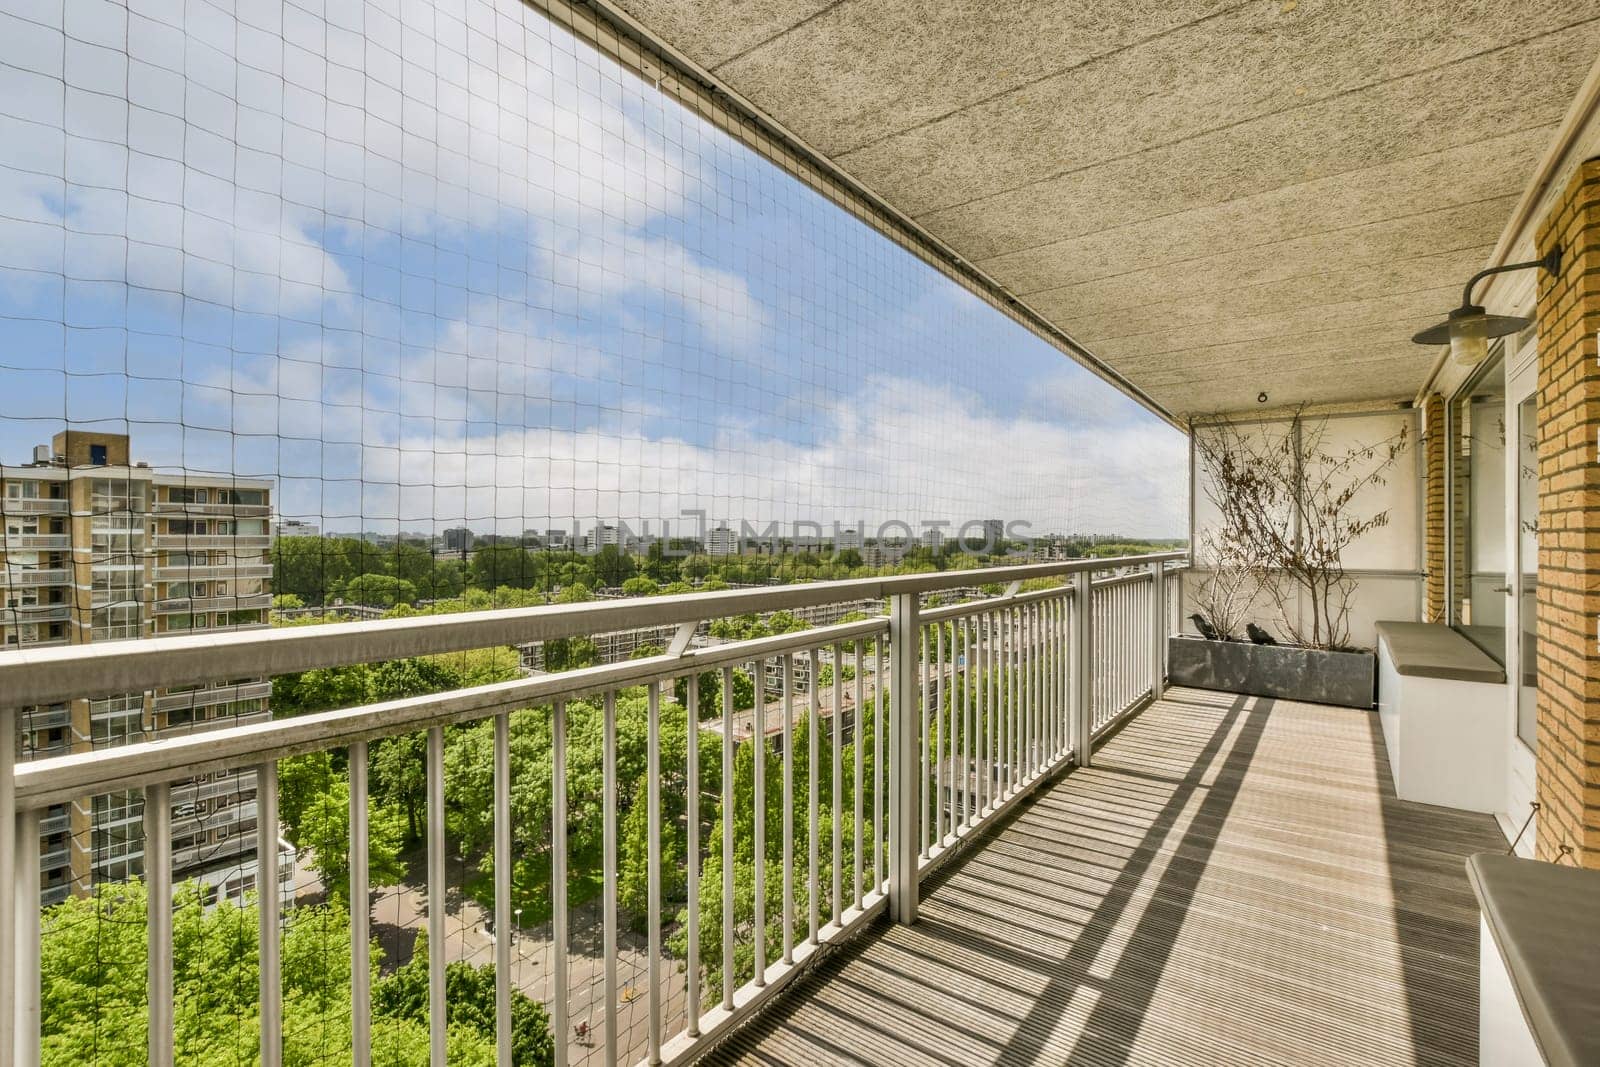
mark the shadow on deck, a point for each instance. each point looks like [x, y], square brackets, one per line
[1232, 882]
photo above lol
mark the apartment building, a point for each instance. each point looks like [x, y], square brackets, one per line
[101, 548]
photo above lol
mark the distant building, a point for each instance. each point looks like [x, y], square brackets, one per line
[601, 535]
[296, 528]
[458, 539]
[994, 534]
[847, 539]
[557, 540]
[722, 542]
[933, 540]
[98, 548]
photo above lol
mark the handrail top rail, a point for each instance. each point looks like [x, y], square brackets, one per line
[41, 783]
[41, 675]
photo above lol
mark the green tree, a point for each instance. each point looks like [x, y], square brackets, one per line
[469, 1006]
[495, 565]
[399, 777]
[378, 590]
[639, 585]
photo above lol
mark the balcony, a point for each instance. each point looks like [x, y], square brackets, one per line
[17, 614]
[1112, 876]
[202, 698]
[38, 542]
[174, 507]
[33, 506]
[46, 718]
[209, 572]
[172, 542]
[251, 602]
[18, 577]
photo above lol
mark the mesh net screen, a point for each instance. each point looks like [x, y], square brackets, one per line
[342, 308]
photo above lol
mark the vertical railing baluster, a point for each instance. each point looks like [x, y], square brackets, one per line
[968, 705]
[1082, 659]
[727, 838]
[837, 765]
[502, 888]
[360, 911]
[859, 748]
[813, 886]
[1158, 629]
[879, 801]
[558, 881]
[758, 743]
[938, 735]
[653, 860]
[923, 789]
[158, 882]
[788, 807]
[1015, 666]
[437, 1013]
[1046, 688]
[269, 906]
[904, 715]
[1059, 658]
[26, 938]
[1002, 708]
[986, 682]
[11, 909]
[691, 963]
[608, 746]
[1048, 652]
[1034, 679]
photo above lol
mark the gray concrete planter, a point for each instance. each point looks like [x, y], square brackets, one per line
[1285, 671]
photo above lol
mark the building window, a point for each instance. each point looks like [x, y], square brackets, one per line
[1476, 544]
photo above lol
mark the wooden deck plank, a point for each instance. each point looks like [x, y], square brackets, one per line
[1233, 882]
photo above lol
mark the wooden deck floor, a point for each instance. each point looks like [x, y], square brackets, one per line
[1232, 883]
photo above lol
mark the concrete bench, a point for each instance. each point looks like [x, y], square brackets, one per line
[1539, 962]
[1445, 714]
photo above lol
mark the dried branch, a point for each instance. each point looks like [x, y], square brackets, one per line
[1287, 506]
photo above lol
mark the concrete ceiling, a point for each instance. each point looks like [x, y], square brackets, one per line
[1216, 198]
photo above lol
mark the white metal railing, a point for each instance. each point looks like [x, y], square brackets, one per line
[933, 723]
[202, 698]
[182, 541]
[244, 602]
[33, 506]
[180, 507]
[37, 541]
[17, 614]
[20, 576]
[183, 572]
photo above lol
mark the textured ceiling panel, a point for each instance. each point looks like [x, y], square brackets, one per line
[1208, 194]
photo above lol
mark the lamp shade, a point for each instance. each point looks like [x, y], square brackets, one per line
[1467, 331]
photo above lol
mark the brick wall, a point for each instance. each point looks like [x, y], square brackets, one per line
[1433, 444]
[1569, 528]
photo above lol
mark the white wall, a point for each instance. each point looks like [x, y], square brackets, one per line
[1386, 564]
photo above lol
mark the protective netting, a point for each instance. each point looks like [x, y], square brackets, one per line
[341, 308]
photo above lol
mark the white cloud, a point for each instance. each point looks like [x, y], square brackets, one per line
[916, 452]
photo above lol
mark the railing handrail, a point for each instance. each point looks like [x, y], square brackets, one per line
[38, 676]
[57, 779]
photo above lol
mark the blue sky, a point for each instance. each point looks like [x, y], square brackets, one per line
[471, 272]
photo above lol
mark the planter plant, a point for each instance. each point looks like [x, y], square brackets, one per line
[1288, 507]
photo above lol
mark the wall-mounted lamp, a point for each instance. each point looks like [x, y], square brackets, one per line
[1468, 328]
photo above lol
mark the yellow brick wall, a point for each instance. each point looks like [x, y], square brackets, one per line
[1569, 528]
[1433, 442]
